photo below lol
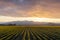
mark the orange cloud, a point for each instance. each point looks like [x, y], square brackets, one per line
[41, 8]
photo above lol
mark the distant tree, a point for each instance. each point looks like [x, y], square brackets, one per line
[12, 24]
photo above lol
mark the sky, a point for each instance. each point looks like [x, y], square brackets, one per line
[12, 10]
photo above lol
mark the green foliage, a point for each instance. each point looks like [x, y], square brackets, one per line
[29, 33]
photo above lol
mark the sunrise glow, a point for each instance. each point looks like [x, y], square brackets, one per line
[34, 19]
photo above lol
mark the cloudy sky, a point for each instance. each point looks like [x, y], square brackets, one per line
[10, 9]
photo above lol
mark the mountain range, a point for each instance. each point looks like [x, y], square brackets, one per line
[28, 23]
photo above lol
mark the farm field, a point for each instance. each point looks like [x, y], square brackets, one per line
[29, 33]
